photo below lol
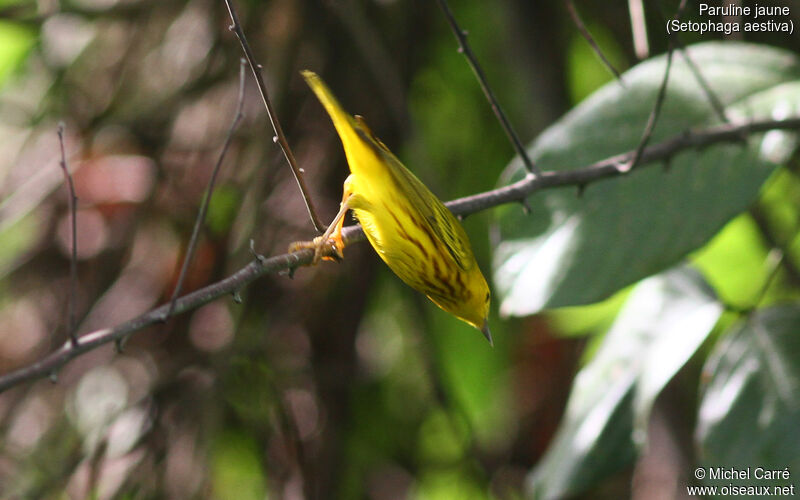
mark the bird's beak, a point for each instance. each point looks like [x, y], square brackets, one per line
[486, 333]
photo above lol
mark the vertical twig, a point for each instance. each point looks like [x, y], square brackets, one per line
[716, 104]
[236, 27]
[72, 321]
[662, 93]
[201, 215]
[465, 49]
[653, 118]
[760, 218]
[639, 28]
[576, 18]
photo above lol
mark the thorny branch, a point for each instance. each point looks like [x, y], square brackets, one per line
[513, 193]
[279, 137]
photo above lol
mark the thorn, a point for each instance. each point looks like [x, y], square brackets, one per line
[237, 297]
[231, 27]
[290, 272]
[465, 32]
[526, 209]
[461, 50]
[581, 189]
[275, 139]
[120, 343]
[53, 377]
[624, 167]
[259, 66]
[742, 137]
[260, 258]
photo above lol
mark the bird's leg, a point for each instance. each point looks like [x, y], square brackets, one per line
[332, 237]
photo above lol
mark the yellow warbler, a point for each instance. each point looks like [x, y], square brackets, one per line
[412, 231]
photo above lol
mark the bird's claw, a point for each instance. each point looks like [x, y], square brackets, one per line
[328, 249]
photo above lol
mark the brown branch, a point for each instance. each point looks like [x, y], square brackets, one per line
[576, 18]
[465, 49]
[279, 137]
[72, 322]
[201, 215]
[513, 193]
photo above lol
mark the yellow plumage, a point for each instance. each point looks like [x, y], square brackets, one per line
[412, 231]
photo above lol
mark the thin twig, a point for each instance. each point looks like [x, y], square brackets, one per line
[513, 193]
[674, 36]
[72, 322]
[279, 137]
[465, 49]
[576, 18]
[201, 215]
[777, 256]
[760, 218]
[662, 93]
[656, 111]
[716, 104]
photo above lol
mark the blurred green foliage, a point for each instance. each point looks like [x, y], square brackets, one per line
[15, 42]
[236, 468]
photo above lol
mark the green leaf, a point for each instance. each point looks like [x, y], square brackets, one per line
[665, 320]
[733, 262]
[751, 406]
[474, 375]
[576, 250]
[15, 42]
[222, 209]
[236, 469]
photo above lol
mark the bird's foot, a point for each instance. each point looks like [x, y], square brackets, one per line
[325, 248]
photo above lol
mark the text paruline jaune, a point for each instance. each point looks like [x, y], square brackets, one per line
[743, 10]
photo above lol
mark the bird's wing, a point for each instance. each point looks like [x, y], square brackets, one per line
[438, 218]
